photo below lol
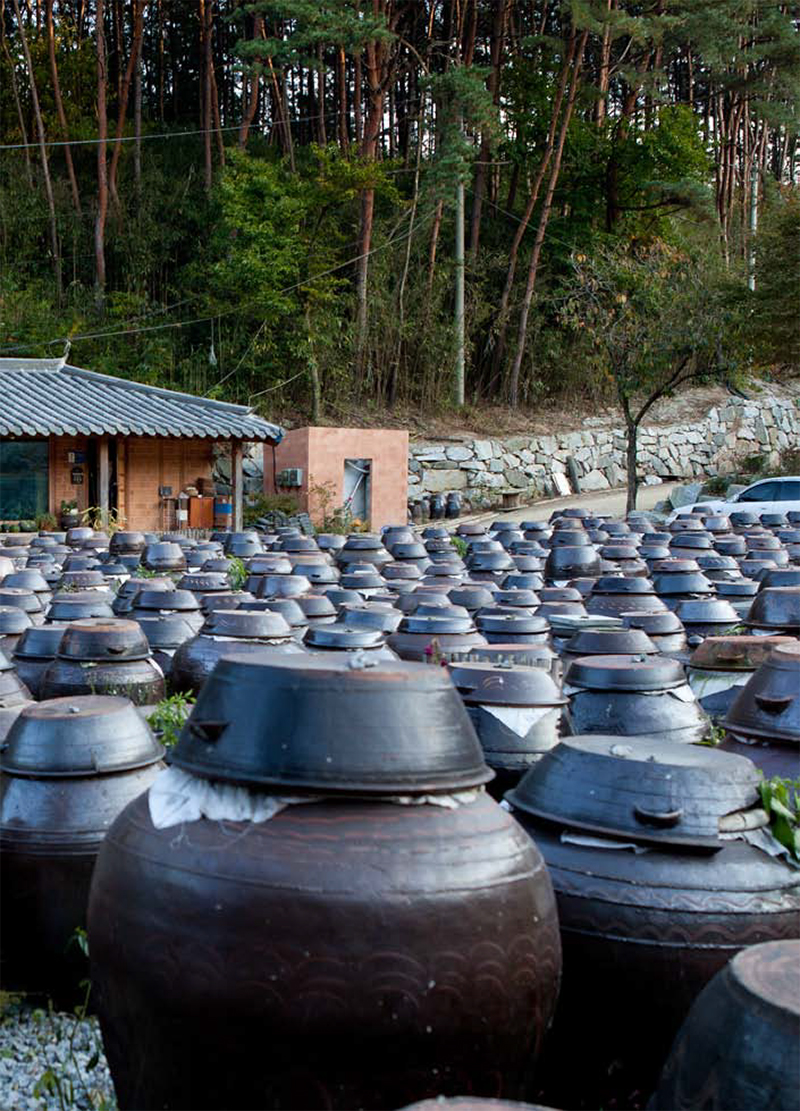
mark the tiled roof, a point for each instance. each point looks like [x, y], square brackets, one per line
[42, 397]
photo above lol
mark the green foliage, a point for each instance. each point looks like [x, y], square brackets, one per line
[269, 503]
[779, 797]
[460, 546]
[169, 717]
[237, 573]
[646, 318]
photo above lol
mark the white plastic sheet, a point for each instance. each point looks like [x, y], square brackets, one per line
[177, 796]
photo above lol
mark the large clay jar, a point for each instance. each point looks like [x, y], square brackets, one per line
[763, 722]
[518, 714]
[104, 657]
[633, 696]
[644, 931]
[739, 1048]
[256, 634]
[348, 952]
[14, 695]
[69, 766]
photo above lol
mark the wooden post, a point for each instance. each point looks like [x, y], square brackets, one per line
[237, 485]
[103, 477]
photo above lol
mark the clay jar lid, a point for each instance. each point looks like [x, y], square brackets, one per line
[779, 576]
[166, 630]
[330, 728]
[21, 597]
[610, 642]
[100, 639]
[246, 625]
[13, 620]
[625, 673]
[620, 584]
[735, 653]
[512, 623]
[340, 636]
[30, 579]
[776, 607]
[654, 624]
[204, 581]
[518, 598]
[83, 735]
[180, 601]
[78, 609]
[371, 615]
[768, 706]
[483, 683]
[40, 642]
[648, 790]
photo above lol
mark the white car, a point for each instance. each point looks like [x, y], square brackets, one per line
[770, 495]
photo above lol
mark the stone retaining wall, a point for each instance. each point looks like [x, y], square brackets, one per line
[546, 466]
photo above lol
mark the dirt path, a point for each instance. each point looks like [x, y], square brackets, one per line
[607, 501]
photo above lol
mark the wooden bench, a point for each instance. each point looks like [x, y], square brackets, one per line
[511, 497]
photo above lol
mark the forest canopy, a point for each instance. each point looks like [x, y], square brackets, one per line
[259, 201]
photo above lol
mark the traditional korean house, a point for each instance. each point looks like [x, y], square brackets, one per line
[72, 435]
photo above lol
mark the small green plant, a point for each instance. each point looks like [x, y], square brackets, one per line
[237, 573]
[169, 717]
[460, 546]
[717, 486]
[714, 737]
[109, 520]
[46, 522]
[269, 503]
[781, 800]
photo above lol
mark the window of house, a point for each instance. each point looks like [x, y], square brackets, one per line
[24, 487]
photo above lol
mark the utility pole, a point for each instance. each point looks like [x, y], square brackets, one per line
[458, 391]
[751, 257]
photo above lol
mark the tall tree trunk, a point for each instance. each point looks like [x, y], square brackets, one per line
[62, 117]
[322, 132]
[216, 116]
[206, 17]
[137, 127]
[493, 85]
[48, 185]
[130, 69]
[502, 312]
[437, 224]
[254, 83]
[161, 61]
[357, 94]
[544, 216]
[341, 87]
[377, 61]
[102, 168]
[632, 430]
[604, 70]
[17, 102]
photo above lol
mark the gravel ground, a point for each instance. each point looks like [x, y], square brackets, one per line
[51, 1061]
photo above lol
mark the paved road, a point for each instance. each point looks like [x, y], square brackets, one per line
[606, 501]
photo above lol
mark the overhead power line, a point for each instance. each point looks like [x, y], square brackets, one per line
[225, 312]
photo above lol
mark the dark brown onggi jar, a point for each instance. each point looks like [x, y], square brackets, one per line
[763, 722]
[655, 854]
[69, 766]
[348, 952]
[104, 657]
[739, 1048]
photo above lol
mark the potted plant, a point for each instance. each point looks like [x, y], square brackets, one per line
[70, 517]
